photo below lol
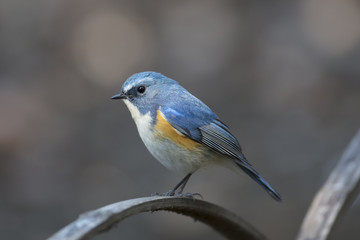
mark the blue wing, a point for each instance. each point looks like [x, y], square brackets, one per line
[202, 125]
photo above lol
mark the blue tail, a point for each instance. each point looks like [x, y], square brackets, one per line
[256, 176]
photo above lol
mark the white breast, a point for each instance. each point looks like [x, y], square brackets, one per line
[166, 152]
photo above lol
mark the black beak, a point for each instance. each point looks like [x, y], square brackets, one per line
[119, 96]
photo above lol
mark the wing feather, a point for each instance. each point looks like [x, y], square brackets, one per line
[205, 127]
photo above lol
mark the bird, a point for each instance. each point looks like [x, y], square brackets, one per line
[181, 131]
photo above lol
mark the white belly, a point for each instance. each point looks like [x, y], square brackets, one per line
[166, 152]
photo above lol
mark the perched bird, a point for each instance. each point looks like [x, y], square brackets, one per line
[180, 131]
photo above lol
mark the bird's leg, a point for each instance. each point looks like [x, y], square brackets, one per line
[181, 184]
[181, 187]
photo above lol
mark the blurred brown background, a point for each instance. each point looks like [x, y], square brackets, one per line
[284, 75]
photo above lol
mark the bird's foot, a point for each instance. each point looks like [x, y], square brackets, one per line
[175, 194]
[189, 195]
[165, 194]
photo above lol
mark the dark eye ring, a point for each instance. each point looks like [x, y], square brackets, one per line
[141, 89]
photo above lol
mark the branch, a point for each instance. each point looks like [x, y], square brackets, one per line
[334, 198]
[91, 223]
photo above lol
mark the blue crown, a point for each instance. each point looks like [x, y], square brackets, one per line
[155, 77]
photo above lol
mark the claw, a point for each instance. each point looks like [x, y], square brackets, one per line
[165, 194]
[172, 194]
[190, 195]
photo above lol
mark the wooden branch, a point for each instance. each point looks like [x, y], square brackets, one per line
[91, 223]
[337, 194]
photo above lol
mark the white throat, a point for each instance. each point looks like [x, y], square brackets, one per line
[142, 121]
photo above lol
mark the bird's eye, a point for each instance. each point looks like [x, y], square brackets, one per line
[141, 89]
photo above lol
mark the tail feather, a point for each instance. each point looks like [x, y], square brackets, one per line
[256, 176]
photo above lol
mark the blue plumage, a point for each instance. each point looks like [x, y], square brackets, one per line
[147, 92]
[207, 129]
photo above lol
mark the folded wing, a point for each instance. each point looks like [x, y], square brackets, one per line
[203, 126]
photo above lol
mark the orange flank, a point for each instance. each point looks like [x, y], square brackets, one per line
[165, 130]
